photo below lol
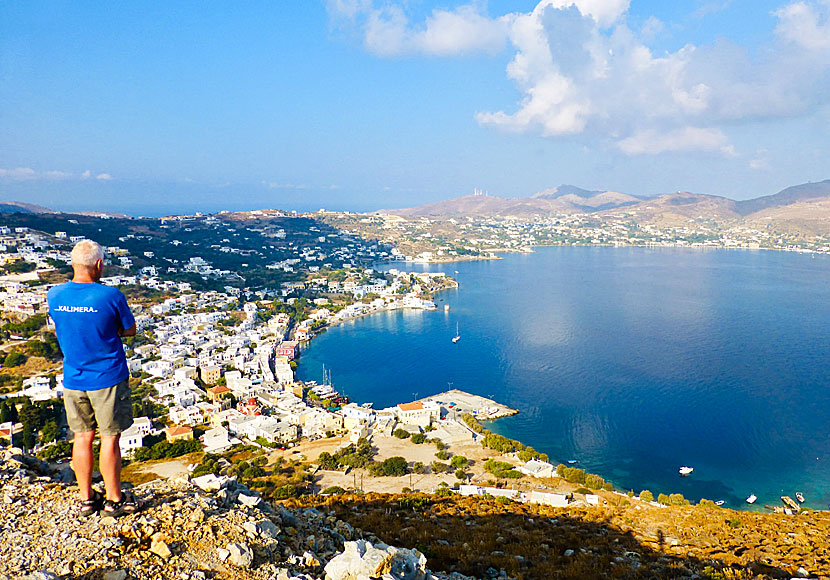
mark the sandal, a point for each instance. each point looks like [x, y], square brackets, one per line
[92, 505]
[128, 504]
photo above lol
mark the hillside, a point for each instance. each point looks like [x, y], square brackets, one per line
[798, 210]
[209, 527]
[21, 207]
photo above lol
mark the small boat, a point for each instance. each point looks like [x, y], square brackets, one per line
[684, 471]
[788, 501]
[752, 498]
[799, 496]
[720, 502]
[446, 307]
[457, 336]
[571, 461]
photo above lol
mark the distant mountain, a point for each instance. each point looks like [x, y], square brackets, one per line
[801, 208]
[564, 199]
[21, 207]
[790, 195]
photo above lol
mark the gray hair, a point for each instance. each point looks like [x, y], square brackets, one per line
[87, 253]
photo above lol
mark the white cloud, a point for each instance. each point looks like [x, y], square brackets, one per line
[761, 160]
[29, 174]
[686, 139]
[581, 70]
[387, 30]
[19, 174]
[805, 24]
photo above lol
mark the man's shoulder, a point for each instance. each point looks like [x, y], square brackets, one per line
[57, 290]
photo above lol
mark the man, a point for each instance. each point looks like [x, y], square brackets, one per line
[90, 320]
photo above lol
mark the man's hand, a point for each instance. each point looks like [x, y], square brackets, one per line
[128, 332]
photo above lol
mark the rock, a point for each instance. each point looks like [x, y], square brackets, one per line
[40, 575]
[115, 575]
[210, 482]
[249, 500]
[161, 549]
[802, 572]
[268, 529]
[361, 559]
[240, 555]
[222, 554]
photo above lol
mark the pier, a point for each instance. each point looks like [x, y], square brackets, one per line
[460, 402]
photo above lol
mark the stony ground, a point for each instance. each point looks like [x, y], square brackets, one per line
[213, 528]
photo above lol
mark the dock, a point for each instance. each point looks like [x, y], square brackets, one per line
[460, 402]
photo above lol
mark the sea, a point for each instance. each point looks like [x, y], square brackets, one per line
[626, 362]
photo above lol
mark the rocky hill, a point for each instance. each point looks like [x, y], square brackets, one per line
[801, 209]
[213, 527]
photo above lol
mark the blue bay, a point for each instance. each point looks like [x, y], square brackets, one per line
[631, 361]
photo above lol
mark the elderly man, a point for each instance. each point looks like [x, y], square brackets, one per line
[90, 320]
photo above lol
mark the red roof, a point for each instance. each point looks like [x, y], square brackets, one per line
[416, 406]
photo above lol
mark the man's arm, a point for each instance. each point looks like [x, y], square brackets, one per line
[126, 332]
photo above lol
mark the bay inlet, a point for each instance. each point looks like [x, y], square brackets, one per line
[629, 361]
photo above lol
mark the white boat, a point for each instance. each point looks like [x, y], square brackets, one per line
[799, 496]
[720, 502]
[752, 498]
[446, 307]
[457, 336]
[684, 471]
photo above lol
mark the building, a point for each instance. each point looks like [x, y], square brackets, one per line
[288, 349]
[418, 413]
[210, 374]
[178, 433]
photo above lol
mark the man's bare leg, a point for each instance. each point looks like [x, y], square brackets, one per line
[110, 465]
[82, 461]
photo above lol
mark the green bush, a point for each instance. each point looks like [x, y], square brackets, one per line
[594, 481]
[583, 490]
[501, 469]
[502, 500]
[443, 454]
[646, 495]
[460, 474]
[401, 434]
[418, 438]
[392, 466]
[459, 461]
[663, 499]
[14, 359]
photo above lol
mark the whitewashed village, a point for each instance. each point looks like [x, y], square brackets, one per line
[218, 369]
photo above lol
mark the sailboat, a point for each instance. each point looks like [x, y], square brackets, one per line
[457, 336]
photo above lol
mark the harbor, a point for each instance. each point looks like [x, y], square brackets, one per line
[459, 402]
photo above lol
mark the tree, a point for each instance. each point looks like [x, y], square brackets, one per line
[401, 434]
[646, 495]
[663, 499]
[418, 438]
[50, 432]
[393, 466]
[14, 359]
[460, 474]
[459, 461]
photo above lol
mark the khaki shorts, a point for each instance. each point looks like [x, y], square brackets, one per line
[109, 410]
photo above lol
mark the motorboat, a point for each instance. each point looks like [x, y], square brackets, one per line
[457, 336]
[799, 496]
[684, 471]
[752, 498]
[720, 502]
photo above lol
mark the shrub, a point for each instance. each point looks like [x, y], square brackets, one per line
[443, 454]
[459, 461]
[418, 467]
[438, 467]
[392, 466]
[401, 434]
[678, 499]
[583, 490]
[14, 359]
[502, 500]
[574, 475]
[594, 481]
[608, 486]
[501, 469]
[646, 495]
[460, 474]
[334, 490]
[663, 499]
[418, 438]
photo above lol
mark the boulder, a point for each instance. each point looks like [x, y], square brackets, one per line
[241, 555]
[361, 560]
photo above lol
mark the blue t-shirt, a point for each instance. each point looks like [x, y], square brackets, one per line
[87, 319]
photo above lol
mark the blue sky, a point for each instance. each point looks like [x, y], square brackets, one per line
[368, 104]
